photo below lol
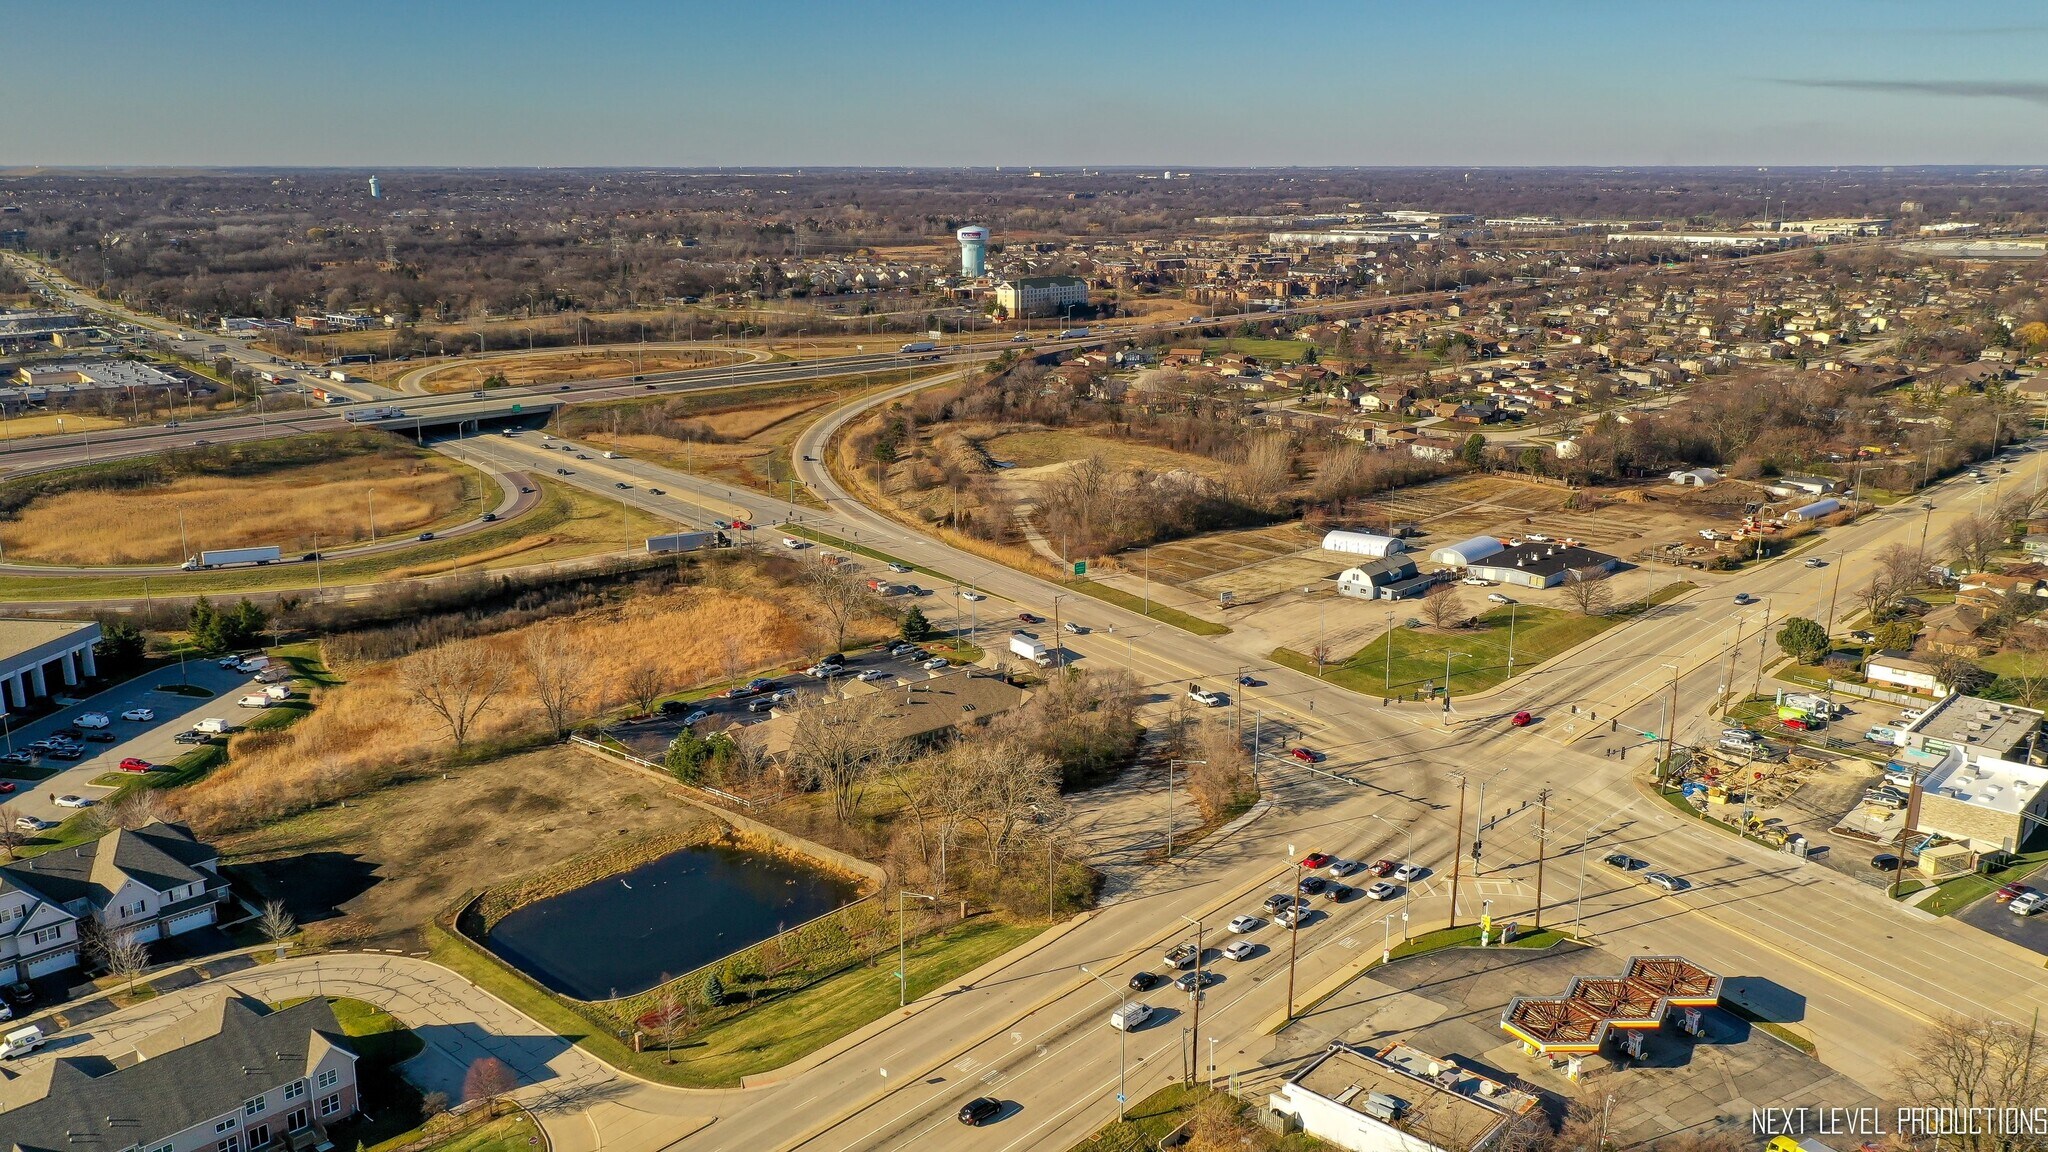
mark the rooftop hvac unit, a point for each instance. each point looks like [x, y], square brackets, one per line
[1347, 1095]
[1383, 1107]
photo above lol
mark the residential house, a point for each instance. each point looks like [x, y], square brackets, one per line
[236, 1076]
[1434, 448]
[151, 882]
[1900, 669]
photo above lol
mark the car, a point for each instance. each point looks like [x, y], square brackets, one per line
[1182, 955]
[100, 738]
[1862, 637]
[1621, 860]
[935, 663]
[1020, 338]
[1814, 562]
[1885, 862]
[1796, 724]
[971, 594]
[136, 764]
[980, 1110]
[32, 824]
[760, 705]
[761, 683]
[622, 485]
[1302, 754]
[1028, 618]
[1316, 860]
[490, 517]
[1538, 537]
[1344, 867]
[2028, 904]
[1408, 873]
[2010, 893]
[1281, 901]
[1744, 598]
[190, 738]
[1310, 885]
[737, 692]
[1240, 950]
[1382, 867]
[872, 675]
[898, 567]
[68, 752]
[742, 525]
[664, 492]
[69, 801]
[1899, 780]
[1908, 715]
[1144, 981]
[1664, 880]
[1249, 681]
[792, 542]
[1195, 981]
[1246, 923]
[91, 720]
[563, 472]
[18, 995]
[18, 758]
[579, 455]
[426, 536]
[1521, 719]
[67, 734]
[6, 786]
[1291, 917]
[1499, 598]
[1380, 890]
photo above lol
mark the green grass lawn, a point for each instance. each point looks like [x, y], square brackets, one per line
[1963, 891]
[514, 1133]
[1146, 1121]
[1478, 655]
[763, 1038]
[1290, 351]
[1157, 611]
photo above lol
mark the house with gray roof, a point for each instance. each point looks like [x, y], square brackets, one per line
[235, 1076]
[150, 883]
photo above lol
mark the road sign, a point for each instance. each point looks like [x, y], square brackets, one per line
[1080, 567]
[1648, 735]
[1120, 1098]
[516, 407]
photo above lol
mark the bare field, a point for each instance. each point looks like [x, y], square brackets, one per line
[376, 870]
[288, 507]
[1184, 562]
[1037, 448]
[46, 424]
[558, 366]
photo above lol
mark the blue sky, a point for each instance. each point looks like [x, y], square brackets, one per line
[908, 82]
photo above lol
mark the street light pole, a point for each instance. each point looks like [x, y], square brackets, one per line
[902, 970]
[1122, 1048]
[1197, 1025]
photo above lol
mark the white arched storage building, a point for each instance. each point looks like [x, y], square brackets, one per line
[1363, 544]
[1815, 510]
[1463, 554]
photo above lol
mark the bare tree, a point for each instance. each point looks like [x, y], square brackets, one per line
[456, 682]
[644, 683]
[1954, 671]
[2027, 644]
[11, 838]
[732, 659]
[1442, 604]
[276, 923]
[490, 1080]
[1974, 539]
[1964, 1064]
[557, 670]
[1587, 591]
[119, 952]
[1267, 471]
[837, 746]
[840, 595]
[1012, 786]
[672, 1017]
[136, 808]
[1320, 653]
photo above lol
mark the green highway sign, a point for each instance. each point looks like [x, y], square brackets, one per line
[1080, 567]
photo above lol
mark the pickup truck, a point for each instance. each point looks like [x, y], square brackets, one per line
[1181, 955]
[1205, 697]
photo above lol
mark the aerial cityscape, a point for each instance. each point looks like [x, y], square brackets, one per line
[674, 578]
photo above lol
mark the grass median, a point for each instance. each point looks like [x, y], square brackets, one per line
[1155, 610]
[1477, 656]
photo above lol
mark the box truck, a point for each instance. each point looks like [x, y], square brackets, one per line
[1031, 650]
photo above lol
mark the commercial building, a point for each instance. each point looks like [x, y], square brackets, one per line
[1041, 295]
[236, 1076]
[1990, 804]
[1398, 1099]
[1592, 1008]
[1467, 552]
[1540, 565]
[32, 651]
[146, 883]
[1980, 727]
[1388, 579]
[1363, 544]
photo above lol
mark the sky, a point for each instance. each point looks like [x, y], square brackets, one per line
[1046, 83]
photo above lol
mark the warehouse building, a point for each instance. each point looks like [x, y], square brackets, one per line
[1467, 552]
[1363, 544]
[34, 651]
[1540, 565]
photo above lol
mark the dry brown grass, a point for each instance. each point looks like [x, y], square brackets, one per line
[369, 731]
[558, 366]
[285, 507]
[517, 547]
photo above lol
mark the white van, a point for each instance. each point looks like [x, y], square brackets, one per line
[213, 725]
[21, 1042]
[611, 455]
[91, 720]
[1130, 1016]
[279, 691]
[256, 700]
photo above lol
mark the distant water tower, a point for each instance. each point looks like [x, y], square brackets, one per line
[973, 250]
[376, 189]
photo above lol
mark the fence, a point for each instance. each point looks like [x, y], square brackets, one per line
[1870, 693]
[716, 794]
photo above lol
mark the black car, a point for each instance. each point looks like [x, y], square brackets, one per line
[1144, 981]
[67, 753]
[1622, 861]
[980, 1110]
[310, 557]
[656, 492]
[489, 516]
[622, 485]
[19, 994]
[1310, 885]
[1885, 862]
[1198, 979]
[100, 737]
[677, 707]
[68, 733]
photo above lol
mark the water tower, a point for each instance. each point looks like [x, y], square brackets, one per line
[973, 250]
[376, 189]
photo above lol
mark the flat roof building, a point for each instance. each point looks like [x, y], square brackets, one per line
[1992, 805]
[1980, 727]
[1398, 1099]
[31, 650]
[1540, 565]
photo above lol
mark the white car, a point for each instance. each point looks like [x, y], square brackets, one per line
[1537, 537]
[694, 717]
[2027, 903]
[1239, 950]
[1245, 923]
[1205, 697]
[791, 542]
[139, 714]
[33, 824]
[899, 567]
[1289, 917]
[1408, 873]
[971, 594]
[934, 664]
[1499, 598]
[872, 675]
[1380, 890]
[91, 720]
[70, 801]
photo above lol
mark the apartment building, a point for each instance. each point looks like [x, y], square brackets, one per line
[152, 883]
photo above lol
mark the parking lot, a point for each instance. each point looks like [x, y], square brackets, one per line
[153, 740]
[2029, 932]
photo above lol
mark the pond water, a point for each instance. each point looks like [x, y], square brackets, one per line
[630, 932]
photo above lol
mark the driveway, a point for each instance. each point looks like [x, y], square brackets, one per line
[2026, 931]
[151, 740]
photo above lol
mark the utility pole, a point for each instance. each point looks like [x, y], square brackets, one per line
[1293, 934]
[1841, 559]
[1237, 697]
[1196, 1026]
[1542, 835]
[1458, 849]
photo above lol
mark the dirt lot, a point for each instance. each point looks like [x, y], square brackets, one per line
[558, 366]
[372, 871]
[334, 500]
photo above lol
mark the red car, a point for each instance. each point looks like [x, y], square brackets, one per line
[1316, 860]
[2011, 892]
[1382, 868]
[1303, 755]
[6, 786]
[131, 764]
[742, 526]
[1795, 723]
[1028, 618]
[1521, 720]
